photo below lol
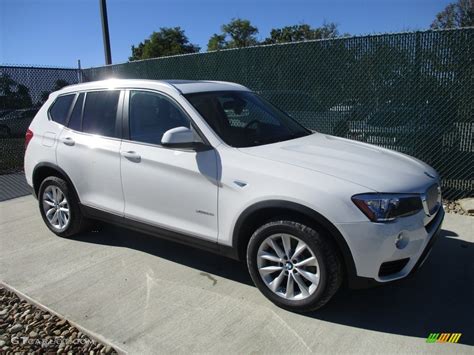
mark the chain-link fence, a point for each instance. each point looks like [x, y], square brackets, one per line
[22, 92]
[411, 92]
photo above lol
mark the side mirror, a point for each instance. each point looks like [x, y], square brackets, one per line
[181, 137]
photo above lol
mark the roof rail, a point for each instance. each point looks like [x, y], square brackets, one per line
[172, 85]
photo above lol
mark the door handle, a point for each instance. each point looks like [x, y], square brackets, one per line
[132, 156]
[68, 141]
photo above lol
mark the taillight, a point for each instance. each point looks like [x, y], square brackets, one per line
[28, 136]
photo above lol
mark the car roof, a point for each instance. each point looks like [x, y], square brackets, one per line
[182, 86]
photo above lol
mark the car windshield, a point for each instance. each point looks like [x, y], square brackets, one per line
[244, 119]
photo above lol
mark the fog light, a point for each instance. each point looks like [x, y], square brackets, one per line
[401, 241]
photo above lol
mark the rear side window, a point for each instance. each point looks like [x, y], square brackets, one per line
[60, 108]
[100, 112]
[75, 120]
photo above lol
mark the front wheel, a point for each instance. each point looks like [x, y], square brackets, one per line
[293, 265]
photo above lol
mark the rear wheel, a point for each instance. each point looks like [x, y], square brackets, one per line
[293, 265]
[59, 208]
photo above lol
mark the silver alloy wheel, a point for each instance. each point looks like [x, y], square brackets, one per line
[288, 266]
[56, 208]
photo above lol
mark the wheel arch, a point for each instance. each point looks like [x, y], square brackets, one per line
[258, 213]
[43, 170]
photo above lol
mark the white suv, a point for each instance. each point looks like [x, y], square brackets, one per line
[213, 165]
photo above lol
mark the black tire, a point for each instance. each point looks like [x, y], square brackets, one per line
[330, 265]
[77, 222]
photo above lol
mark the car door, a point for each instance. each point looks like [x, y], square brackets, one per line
[89, 149]
[175, 189]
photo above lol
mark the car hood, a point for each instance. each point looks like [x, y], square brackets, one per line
[375, 168]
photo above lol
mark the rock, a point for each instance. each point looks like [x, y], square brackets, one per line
[38, 316]
[20, 319]
[467, 204]
[16, 328]
[33, 334]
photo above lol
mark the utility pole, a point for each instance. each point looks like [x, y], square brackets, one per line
[79, 71]
[105, 31]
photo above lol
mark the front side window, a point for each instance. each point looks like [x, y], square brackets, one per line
[60, 109]
[100, 113]
[151, 115]
[243, 119]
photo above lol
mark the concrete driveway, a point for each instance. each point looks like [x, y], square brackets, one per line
[146, 295]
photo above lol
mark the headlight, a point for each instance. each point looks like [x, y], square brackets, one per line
[387, 207]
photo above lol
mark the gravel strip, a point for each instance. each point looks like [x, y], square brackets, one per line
[455, 207]
[25, 328]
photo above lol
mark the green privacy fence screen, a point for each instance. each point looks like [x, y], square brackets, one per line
[411, 92]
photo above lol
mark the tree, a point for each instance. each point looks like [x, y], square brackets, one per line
[238, 33]
[43, 97]
[22, 97]
[6, 84]
[58, 85]
[167, 41]
[455, 15]
[241, 32]
[216, 42]
[13, 95]
[302, 32]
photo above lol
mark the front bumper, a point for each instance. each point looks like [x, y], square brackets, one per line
[373, 244]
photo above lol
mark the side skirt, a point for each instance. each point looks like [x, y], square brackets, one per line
[174, 236]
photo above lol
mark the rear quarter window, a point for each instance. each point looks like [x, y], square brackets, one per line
[60, 108]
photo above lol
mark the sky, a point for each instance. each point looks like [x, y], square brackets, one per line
[59, 32]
